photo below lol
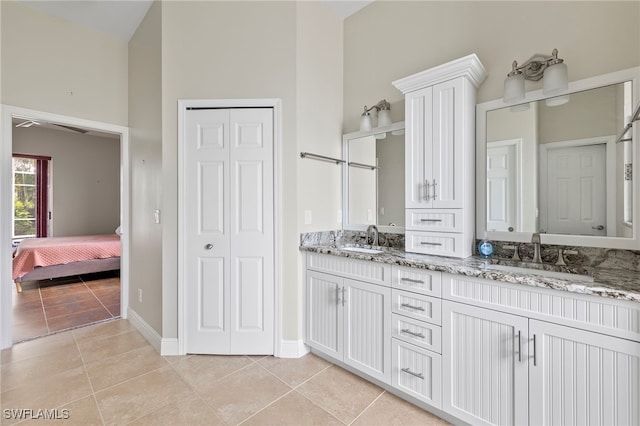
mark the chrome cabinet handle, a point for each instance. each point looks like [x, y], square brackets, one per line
[412, 333]
[343, 298]
[417, 308]
[425, 243]
[208, 246]
[535, 361]
[431, 220]
[426, 189]
[434, 189]
[408, 371]
[519, 346]
[598, 228]
[411, 280]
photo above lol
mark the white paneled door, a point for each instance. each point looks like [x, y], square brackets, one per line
[229, 235]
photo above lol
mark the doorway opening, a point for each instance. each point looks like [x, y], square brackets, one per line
[120, 136]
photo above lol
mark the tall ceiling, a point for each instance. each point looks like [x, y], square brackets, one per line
[121, 18]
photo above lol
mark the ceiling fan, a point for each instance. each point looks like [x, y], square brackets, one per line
[30, 122]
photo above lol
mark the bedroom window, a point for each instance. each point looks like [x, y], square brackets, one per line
[30, 201]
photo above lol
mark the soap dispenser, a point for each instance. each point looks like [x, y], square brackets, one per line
[485, 247]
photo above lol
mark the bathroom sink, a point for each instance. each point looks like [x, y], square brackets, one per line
[362, 250]
[541, 272]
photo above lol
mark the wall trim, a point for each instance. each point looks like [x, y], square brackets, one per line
[293, 349]
[145, 329]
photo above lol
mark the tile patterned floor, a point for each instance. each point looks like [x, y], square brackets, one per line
[46, 307]
[107, 374]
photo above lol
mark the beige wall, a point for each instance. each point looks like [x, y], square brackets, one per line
[318, 184]
[218, 50]
[388, 40]
[85, 177]
[52, 65]
[145, 141]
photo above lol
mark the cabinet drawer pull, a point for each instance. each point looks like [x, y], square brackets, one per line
[425, 243]
[535, 361]
[411, 280]
[406, 305]
[414, 334]
[408, 371]
[430, 220]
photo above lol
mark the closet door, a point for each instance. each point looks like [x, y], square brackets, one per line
[228, 222]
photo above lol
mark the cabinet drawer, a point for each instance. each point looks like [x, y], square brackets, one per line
[416, 306]
[442, 220]
[417, 280]
[417, 372]
[438, 243]
[364, 270]
[425, 335]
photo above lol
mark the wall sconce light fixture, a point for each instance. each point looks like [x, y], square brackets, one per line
[551, 67]
[384, 116]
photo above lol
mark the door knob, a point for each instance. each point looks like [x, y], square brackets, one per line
[599, 227]
[208, 246]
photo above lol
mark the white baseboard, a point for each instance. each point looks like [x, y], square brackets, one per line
[293, 349]
[169, 346]
[145, 329]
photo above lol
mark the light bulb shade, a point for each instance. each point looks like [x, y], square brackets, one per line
[556, 79]
[557, 100]
[384, 118]
[365, 123]
[513, 88]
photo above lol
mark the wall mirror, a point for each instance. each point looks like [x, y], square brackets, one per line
[373, 179]
[560, 166]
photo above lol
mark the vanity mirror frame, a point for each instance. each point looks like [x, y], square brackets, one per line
[630, 74]
[345, 179]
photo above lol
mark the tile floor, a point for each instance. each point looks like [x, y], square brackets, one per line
[46, 307]
[107, 374]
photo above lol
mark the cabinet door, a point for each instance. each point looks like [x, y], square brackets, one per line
[582, 378]
[485, 370]
[367, 324]
[418, 134]
[324, 313]
[447, 144]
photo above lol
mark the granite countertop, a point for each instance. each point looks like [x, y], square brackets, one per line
[613, 283]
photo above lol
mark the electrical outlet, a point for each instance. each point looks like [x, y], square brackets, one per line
[140, 295]
[307, 217]
[339, 216]
[369, 215]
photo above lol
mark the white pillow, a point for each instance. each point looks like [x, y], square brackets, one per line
[119, 230]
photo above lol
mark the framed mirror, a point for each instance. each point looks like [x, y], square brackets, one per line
[373, 179]
[560, 166]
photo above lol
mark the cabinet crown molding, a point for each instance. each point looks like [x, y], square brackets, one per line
[468, 66]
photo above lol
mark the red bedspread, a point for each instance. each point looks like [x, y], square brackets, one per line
[34, 252]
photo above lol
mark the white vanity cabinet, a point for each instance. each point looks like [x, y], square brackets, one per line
[578, 377]
[350, 319]
[440, 157]
[515, 354]
[485, 368]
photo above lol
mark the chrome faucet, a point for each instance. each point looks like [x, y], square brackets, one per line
[372, 235]
[535, 240]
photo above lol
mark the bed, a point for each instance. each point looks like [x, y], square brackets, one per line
[55, 257]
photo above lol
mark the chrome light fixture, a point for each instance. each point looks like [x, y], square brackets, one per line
[551, 67]
[384, 116]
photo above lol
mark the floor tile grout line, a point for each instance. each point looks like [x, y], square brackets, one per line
[84, 367]
[368, 406]
[44, 311]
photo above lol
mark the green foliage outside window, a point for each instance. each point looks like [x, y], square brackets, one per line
[24, 198]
